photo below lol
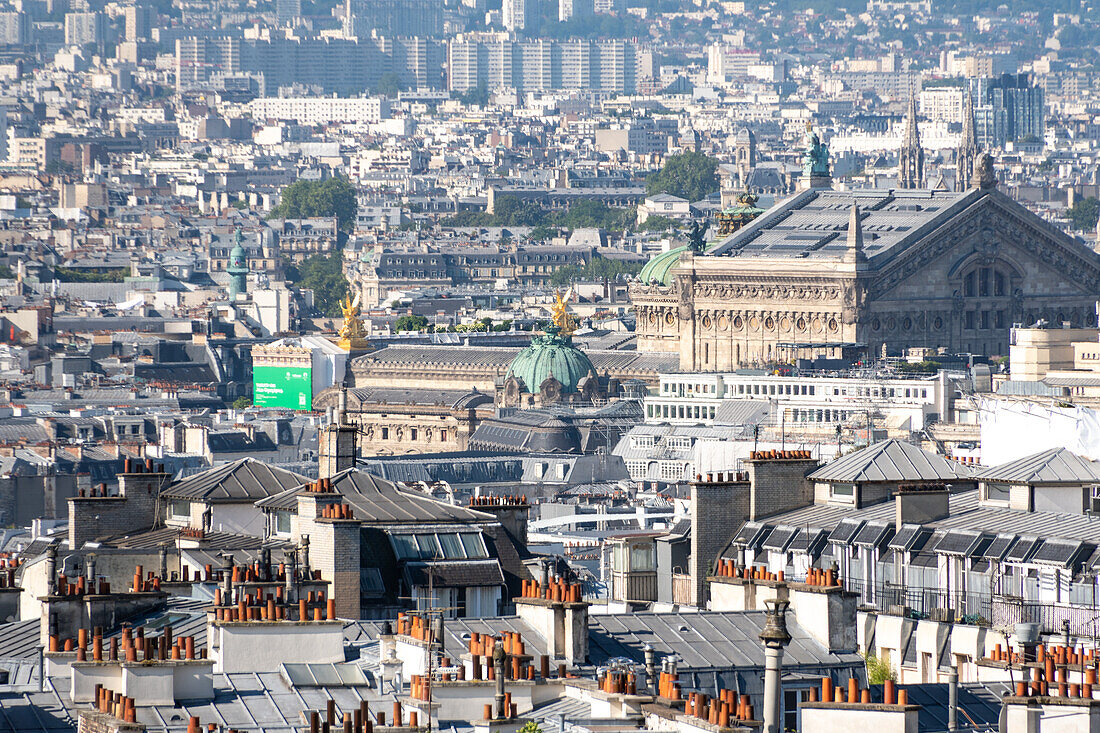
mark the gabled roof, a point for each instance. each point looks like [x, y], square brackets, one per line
[376, 500]
[243, 480]
[891, 460]
[1054, 466]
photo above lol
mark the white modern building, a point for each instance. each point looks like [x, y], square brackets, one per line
[803, 401]
[320, 110]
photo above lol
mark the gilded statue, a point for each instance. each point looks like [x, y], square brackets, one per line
[353, 334]
[561, 317]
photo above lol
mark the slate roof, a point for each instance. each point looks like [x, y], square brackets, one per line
[814, 222]
[395, 396]
[457, 632]
[376, 500]
[742, 412]
[1054, 466]
[703, 640]
[891, 460]
[156, 537]
[244, 480]
[242, 701]
[1008, 531]
[469, 467]
[498, 358]
[20, 639]
[455, 574]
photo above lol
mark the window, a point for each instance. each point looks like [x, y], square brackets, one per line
[997, 492]
[473, 545]
[846, 492]
[282, 522]
[642, 558]
[427, 545]
[405, 546]
[452, 546]
[385, 433]
[179, 508]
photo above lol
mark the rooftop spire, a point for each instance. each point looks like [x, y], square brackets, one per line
[967, 151]
[854, 253]
[911, 155]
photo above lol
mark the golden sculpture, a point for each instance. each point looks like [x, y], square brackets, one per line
[565, 322]
[353, 335]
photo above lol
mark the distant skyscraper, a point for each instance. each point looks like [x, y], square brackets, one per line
[967, 152]
[521, 16]
[393, 18]
[911, 155]
[82, 29]
[575, 9]
[139, 22]
[496, 61]
[1008, 108]
[287, 11]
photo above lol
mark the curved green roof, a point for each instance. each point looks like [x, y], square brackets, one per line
[659, 269]
[551, 355]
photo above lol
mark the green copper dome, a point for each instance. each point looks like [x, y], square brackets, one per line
[659, 269]
[549, 355]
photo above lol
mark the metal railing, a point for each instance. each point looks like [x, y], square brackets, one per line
[1000, 611]
[923, 601]
[1051, 618]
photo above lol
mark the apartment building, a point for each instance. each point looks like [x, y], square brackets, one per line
[320, 110]
[808, 402]
[495, 61]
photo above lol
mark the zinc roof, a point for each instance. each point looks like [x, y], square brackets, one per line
[1056, 465]
[242, 480]
[380, 501]
[891, 460]
[814, 222]
[702, 640]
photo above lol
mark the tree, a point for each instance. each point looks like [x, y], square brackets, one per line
[690, 176]
[324, 275]
[478, 95]
[242, 403]
[1084, 213]
[658, 223]
[330, 197]
[389, 84]
[564, 276]
[512, 211]
[410, 323]
[592, 213]
[878, 670]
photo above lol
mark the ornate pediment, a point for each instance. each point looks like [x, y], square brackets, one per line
[985, 230]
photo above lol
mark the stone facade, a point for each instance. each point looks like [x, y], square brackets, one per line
[432, 423]
[940, 270]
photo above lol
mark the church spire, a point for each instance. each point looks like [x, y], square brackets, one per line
[911, 155]
[967, 151]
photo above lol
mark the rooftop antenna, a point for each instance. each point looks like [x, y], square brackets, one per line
[434, 629]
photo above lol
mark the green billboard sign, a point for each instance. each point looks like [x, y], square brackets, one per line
[288, 387]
